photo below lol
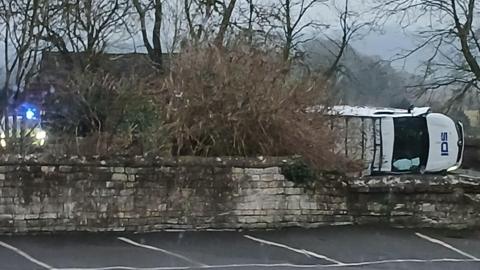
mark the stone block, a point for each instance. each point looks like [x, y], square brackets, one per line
[172, 221]
[103, 207]
[255, 177]
[32, 216]
[109, 184]
[65, 168]
[47, 169]
[248, 219]
[127, 192]
[288, 184]
[294, 191]
[130, 170]
[293, 204]
[117, 169]
[249, 206]
[238, 170]
[105, 193]
[6, 216]
[275, 184]
[266, 177]
[267, 219]
[307, 205]
[375, 207]
[162, 207]
[6, 200]
[297, 212]
[273, 191]
[252, 171]
[48, 216]
[131, 216]
[269, 205]
[19, 215]
[119, 177]
[271, 170]
[130, 185]
[428, 207]
[401, 213]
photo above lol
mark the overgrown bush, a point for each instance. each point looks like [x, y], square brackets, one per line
[240, 101]
[245, 101]
[95, 113]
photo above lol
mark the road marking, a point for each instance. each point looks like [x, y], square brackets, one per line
[281, 265]
[301, 251]
[439, 242]
[394, 261]
[25, 255]
[131, 242]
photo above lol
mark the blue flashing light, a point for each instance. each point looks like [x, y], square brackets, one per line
[29, 111]
[29, 114]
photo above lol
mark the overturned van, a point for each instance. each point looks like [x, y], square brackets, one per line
[397, 141]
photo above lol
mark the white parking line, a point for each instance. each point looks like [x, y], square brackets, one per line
[25, 255]
[301, 251]
[131, 242]
[282, 265]
[439, 242]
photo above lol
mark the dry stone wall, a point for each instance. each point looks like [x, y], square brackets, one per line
[195, 194]
[416, 201]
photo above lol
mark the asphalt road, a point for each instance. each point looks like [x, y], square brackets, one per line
[326, 248]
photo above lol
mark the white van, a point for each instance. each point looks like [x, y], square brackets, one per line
[390, 140]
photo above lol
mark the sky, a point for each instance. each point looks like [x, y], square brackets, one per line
[388, 45]
[385, 43]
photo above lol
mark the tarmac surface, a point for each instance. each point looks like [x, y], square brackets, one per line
[325, 248]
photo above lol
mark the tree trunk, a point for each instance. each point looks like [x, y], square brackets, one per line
[225, 23]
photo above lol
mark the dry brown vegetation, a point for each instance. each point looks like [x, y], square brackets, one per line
[213, 102]
[244, 101]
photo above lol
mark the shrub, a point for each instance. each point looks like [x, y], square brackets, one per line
[245, 101]
[116, 115]
[299, 172]
[240, 101]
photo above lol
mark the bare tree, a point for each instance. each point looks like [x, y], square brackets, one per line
[207, 18]
[83, 26]
[154, 48]
[350, 25]
[226, 14]
[290, 15]
[21, 49]
[174, 23]
[20, 45]
[254, 19]
[449, 30]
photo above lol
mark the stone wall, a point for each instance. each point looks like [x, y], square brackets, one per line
[416, 201]
[194, 193]
[76, 195]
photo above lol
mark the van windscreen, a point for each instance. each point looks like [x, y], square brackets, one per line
[411, 144]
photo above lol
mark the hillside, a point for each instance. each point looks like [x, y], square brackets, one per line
[363, 80]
